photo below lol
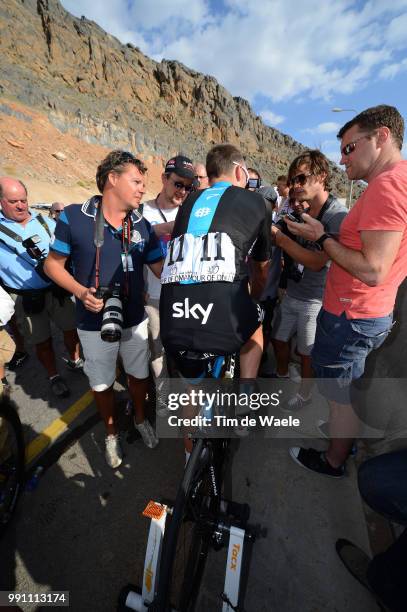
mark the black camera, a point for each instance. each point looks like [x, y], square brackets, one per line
[253, 183]
[30, 245]
[295, 217]
[112, 314]
[295, 271]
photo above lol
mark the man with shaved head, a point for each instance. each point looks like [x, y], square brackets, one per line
[55, 210]
[201, 176]
[24, 242]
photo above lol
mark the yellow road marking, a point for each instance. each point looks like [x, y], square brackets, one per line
[56, 428]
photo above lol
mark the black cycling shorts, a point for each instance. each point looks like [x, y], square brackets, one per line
[194, 366]
[216, 318]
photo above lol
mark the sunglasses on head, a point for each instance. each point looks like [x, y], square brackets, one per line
[351, 146]
[300, 178]
[244, 170]
[179, 185]
[127, 156]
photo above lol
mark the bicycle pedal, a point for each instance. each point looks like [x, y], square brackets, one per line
[154, 510]
[235, 510]
[254, 532]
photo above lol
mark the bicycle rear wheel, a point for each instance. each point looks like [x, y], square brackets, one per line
[187, 538]
[11, 460]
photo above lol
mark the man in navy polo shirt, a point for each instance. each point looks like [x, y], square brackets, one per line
[126, 243]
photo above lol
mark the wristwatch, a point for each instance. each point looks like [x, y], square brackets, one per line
[320, 242]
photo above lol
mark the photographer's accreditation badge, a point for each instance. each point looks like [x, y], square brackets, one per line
[129, 265]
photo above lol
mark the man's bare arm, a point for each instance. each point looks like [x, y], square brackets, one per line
[372, 264]
[258, 277]
[54, 268]
[162, 229]
[156, 268]
[310, 259]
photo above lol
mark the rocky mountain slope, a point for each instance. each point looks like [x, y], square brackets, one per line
[105, 93]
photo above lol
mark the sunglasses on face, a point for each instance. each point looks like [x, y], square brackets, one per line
[127, 156]
[351, 146]
[180, 186]
[300, 178]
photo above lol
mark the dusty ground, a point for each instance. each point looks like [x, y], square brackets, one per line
[29, 141]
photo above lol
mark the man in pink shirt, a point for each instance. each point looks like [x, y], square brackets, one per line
[369, 263]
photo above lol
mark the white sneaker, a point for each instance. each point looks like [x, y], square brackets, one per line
[113, 452]
[294, 373]
[147, 433]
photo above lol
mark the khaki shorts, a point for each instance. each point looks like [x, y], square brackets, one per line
[36, 328]
[7, 347]
[101, 356]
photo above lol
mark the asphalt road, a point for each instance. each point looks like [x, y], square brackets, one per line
[81, 529]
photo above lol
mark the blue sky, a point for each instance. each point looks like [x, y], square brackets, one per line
[294, 61]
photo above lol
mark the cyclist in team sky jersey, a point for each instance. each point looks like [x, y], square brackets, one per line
[207, 307]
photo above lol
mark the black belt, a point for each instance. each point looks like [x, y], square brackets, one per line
[25, 291]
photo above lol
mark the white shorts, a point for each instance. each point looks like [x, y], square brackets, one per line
[101, 356]
[296, 316]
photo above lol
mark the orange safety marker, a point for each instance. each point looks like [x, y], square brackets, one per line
[154, 510]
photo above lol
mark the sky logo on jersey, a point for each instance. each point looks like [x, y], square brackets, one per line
[185, 311]
[202, 212]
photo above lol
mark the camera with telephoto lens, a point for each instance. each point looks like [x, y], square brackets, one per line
[112, 314]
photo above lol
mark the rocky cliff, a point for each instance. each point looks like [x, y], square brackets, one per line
[106, 93]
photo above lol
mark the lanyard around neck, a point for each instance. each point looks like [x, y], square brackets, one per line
[160, 211]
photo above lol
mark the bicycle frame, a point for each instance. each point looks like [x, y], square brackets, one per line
[219, 522]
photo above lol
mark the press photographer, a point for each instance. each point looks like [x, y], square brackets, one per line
[109, 242]
[24, 243]
[309, 176]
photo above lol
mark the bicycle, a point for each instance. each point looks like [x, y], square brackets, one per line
[12, 460]
[200, 520]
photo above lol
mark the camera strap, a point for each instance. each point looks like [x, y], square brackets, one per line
[99, 241]
[10, 234]
[126, 234]
[325, 207]
[44, 224]
[16, 237]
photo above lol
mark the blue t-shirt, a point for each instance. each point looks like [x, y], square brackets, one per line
[74, 237]
[18, 271]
